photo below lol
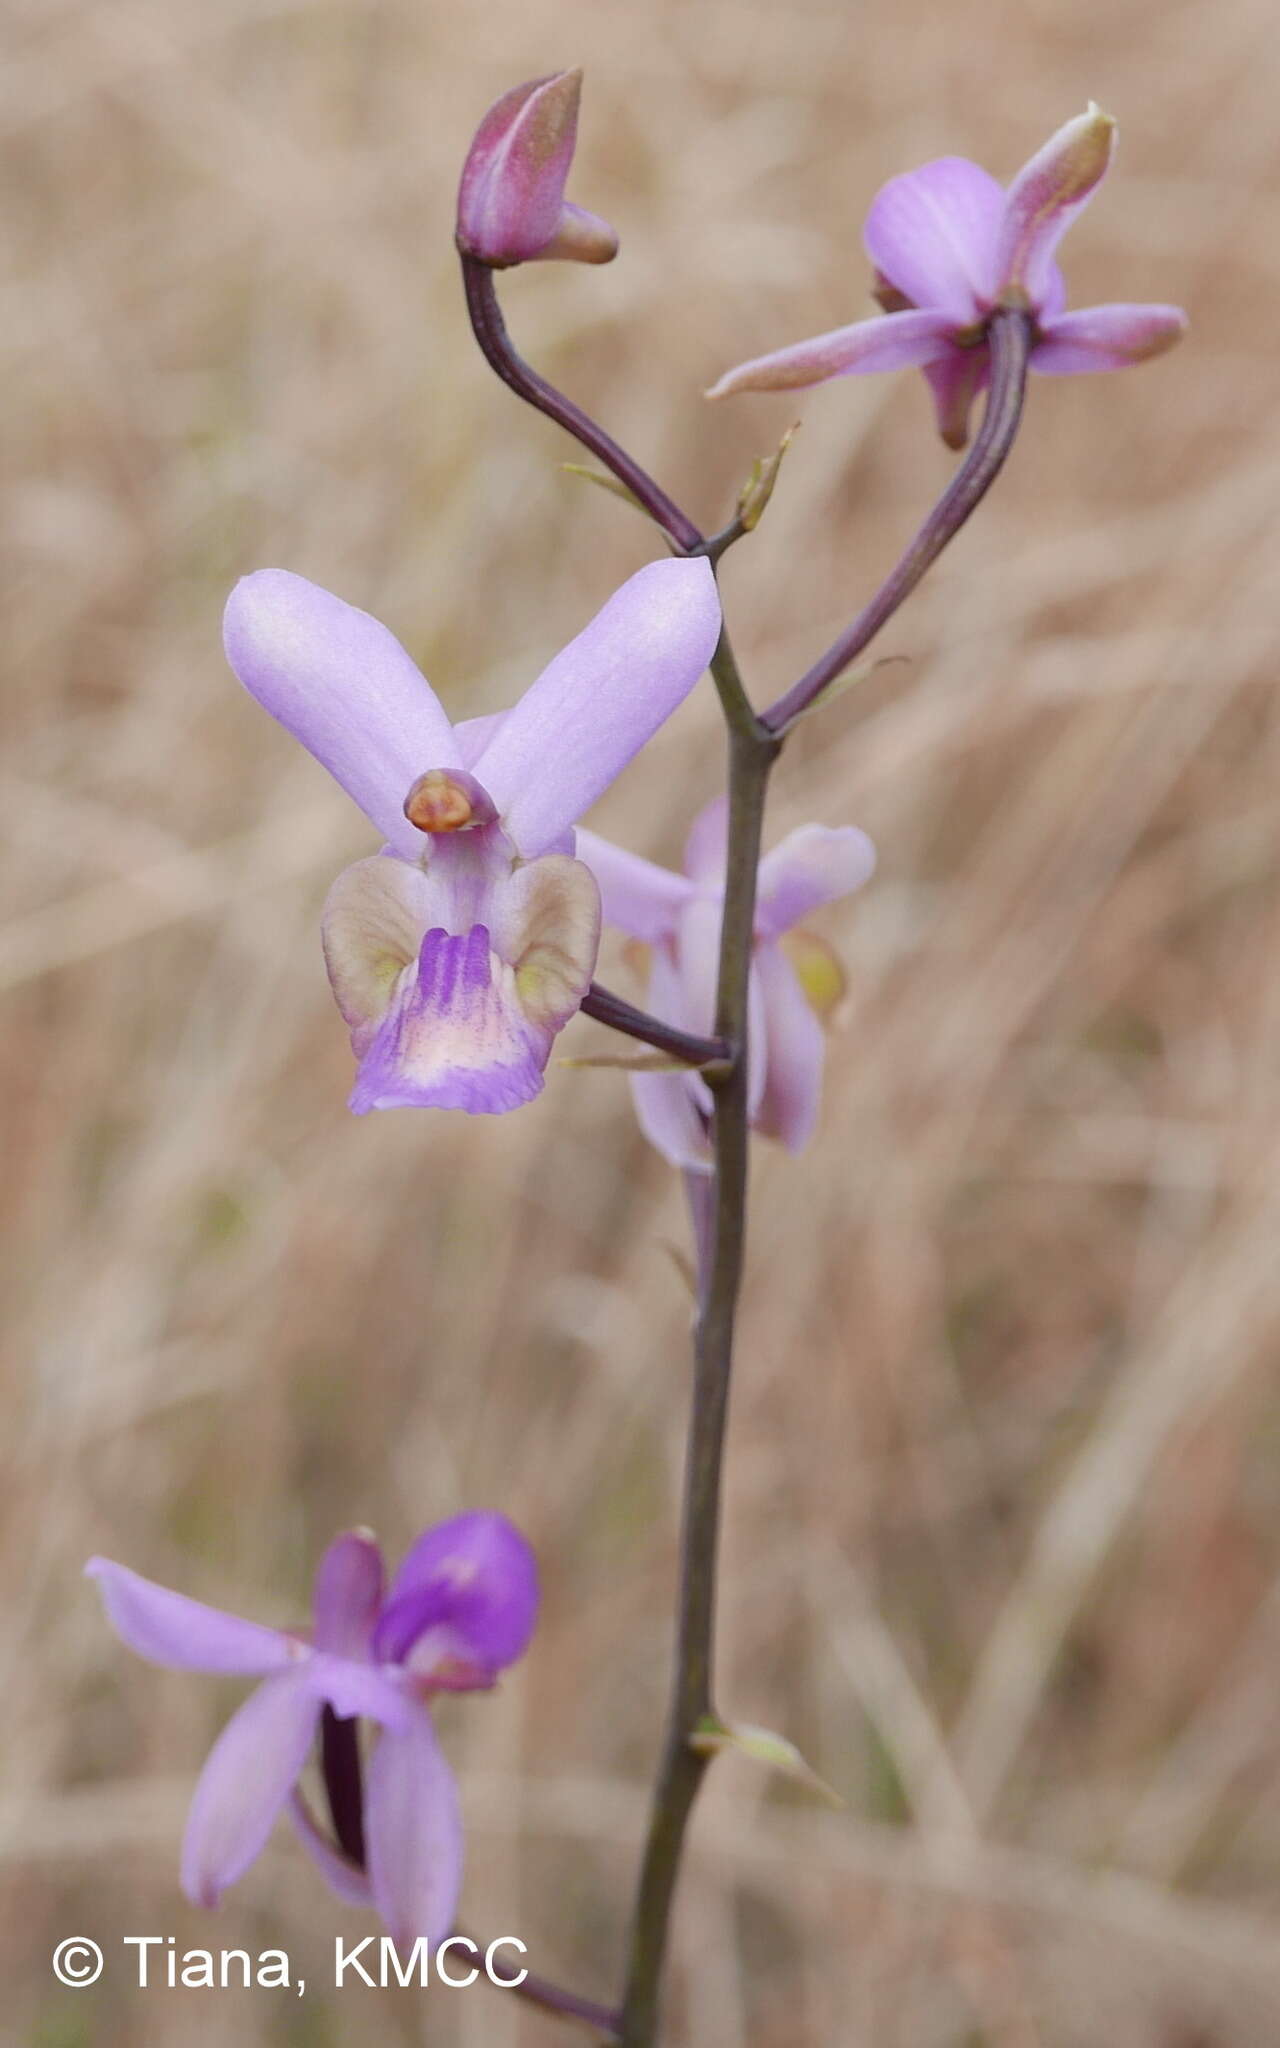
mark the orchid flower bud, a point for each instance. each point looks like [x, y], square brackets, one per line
[511, 203]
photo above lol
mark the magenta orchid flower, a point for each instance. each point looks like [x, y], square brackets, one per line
[460, 1609]
[949, 247]
[459, 951]
[511, 203]
[795, 979]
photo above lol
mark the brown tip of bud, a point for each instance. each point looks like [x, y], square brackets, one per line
[437, 803]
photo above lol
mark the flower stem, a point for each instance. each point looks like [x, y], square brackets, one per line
[620, 1015]
[1010, 343]
[567, 2005]
[490, 330]
[752, 753]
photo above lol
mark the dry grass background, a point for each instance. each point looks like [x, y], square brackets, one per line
[1003, 1542]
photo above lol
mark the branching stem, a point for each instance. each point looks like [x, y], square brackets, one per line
[1010, 342]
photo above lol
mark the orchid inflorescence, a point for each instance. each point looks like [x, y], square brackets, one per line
[460, 948]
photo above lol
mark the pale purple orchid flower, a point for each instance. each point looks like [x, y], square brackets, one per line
[949, 247]
[460, 1609]
[459, 951]
[511, 203]
[795, 979]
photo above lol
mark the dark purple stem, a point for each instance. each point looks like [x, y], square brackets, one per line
[720, 1232]
[495, 343]
[1010, 343]
[619, 1015]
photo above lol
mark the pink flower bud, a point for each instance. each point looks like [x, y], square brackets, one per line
[511, 203]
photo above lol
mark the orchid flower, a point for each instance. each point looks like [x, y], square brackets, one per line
[461, 1607]
[459, 951]
[511, 203]
[795, 982]
[949, 247]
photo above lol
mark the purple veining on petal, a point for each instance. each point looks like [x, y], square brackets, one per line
[455, 1036]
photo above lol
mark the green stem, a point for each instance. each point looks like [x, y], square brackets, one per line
[752, 753]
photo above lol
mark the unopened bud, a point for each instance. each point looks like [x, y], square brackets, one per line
[511, 203]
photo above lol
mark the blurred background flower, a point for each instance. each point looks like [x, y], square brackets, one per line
[1003, 1519]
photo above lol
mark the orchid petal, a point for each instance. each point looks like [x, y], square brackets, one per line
[932, 234]
[338, 1872]
[698, 954]
[600, 700]
[353, 1687]
[706, 850]
[1106, 338]
[413, 1833]
[891, 341]
[546, 922]
[473, 1582]
[955, 382]
[455, 1036]
[372, 928]
[789, 1106]
[247, 1778]
[671, 1120]
[472, 735]
[813, 865]
[348, 1594]
[636, 895]
[470, 1023]
[343, 685]
[166, 1628]
[1050, 190]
